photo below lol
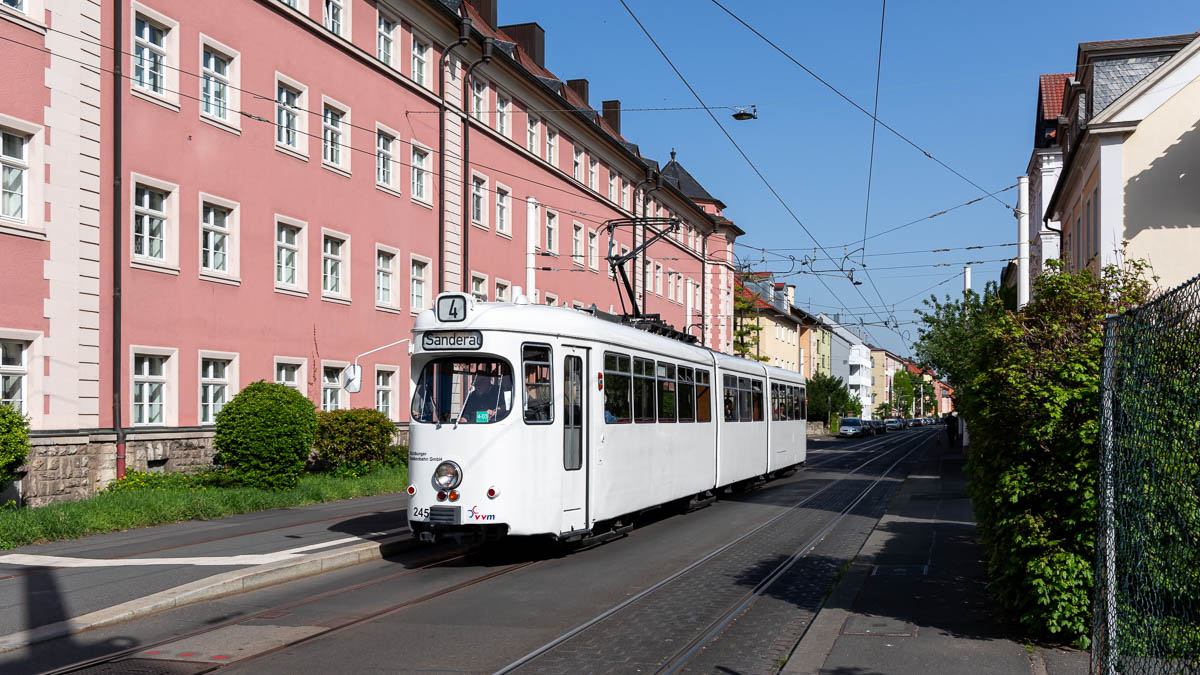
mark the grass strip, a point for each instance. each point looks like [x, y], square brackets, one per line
[112, 511]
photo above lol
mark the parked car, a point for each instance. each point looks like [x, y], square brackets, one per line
[852, 426]
[880, 427]
[893, 424]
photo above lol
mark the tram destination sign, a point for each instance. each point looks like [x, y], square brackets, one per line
[452, 339]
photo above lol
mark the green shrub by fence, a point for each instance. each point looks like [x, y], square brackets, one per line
[14, 441]
[353, 442]
[264, 436]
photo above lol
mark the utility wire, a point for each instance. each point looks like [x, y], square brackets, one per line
[873, 255]
[874, 126]
[855, 104]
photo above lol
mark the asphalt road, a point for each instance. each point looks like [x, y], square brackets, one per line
[730, 587]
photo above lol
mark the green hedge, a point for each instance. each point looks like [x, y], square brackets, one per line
[14, 441]
[264, 435]
[354, 442]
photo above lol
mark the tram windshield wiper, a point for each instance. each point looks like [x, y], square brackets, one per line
[463, 407]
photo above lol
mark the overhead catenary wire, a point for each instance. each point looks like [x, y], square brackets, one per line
[874, 126]
[887, 253]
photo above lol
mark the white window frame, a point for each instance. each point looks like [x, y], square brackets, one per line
[578, 244]
[503, 113]
[552, 146]
[345, 21]
[533, 138]
[624, 193]
[299, 288]
[480, 281]
[503, 290]
[231, 382]
[426, 279]
[168, 96]
[169, 380]
[335, 136]
[30, 10]
[612, 185]
[169, 263]
[550, 232]
[393, 412]
[671, 284]
[551, 300]
[23, 371]
[335, 387]
[340, 262]
[31, 223]
[386, 36]
[593, 250]
[297, 114]
[392, 305]
[577, 158]
[482, 195]
[301, 365]
[593, 175]
[232, 271]
[480, 93]
[420, 75]
[504, 208]
[232, 121]
[421, 183]
[391, 182]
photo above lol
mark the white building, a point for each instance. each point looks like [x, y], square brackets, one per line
[857, 364]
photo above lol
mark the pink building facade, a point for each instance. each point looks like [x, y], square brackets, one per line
[199, 198]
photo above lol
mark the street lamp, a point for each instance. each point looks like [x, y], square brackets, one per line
[742, 114]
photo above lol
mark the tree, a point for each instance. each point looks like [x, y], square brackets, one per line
[746, 326]
[827, 393]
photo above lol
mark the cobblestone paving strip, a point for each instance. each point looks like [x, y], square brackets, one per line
[643, 635]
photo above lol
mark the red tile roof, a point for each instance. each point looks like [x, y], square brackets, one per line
[1052, 87]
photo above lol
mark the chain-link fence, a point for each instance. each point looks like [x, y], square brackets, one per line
[1147, 592]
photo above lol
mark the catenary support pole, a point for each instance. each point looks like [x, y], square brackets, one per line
[1022, 241]
[966, 279]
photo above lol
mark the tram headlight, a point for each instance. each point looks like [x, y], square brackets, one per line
[447, 476]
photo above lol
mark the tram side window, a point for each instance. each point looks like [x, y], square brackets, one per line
[687, 395]
[745, 408]
[539, 408]
[802, 403]
[756, 388]
[703, 397]
[776, 411]
[643, 390]
[617, 389]
[794, 403]
[729, 383]
[667, 393]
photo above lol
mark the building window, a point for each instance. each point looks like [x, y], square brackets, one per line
[593, 171]
[552, 146]
[384, 39]
[531, 141]
[149, 384]
[671, 285]
[478, 188]
[288, 374]
[383, 158]
[383, 392]
[658, 279]
[214, 93]
[214, 239]
[479, 100]
[624, 193]
[577, 164]
[577, 244]
[501, 291]
[18, 5]
[332, 145]
[149, 223]
[551, 299]
[287, 118]
[593, 250]
[333, 257]
[14, 373]
[149, 55]
[331, 388]
[420, 61]
[503, 106]
[287, 253]
[333, 16]
[14, 168]
[214, 388]
[417, 281]
[479, 287]
[384, 263]
[420, 174]
[551, 233]
[612, 186]
[503, 200]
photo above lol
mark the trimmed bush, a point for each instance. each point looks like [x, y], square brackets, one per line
[14, 441]
[353, 442]
[264, 436]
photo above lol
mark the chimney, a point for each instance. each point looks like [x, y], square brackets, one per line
[580, 87]
[531, 38]
[791, 295]
[612, 114]
[487, 10]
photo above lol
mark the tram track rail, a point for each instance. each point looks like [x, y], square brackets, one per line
[732, 610]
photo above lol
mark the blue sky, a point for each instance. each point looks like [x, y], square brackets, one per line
[958, 78]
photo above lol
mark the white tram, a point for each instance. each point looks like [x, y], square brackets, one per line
[536, 420]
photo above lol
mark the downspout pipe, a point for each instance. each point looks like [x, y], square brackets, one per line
[117, 257]
[464, 36]
[467, 184]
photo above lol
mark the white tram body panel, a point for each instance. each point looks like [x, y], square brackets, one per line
[537, 420]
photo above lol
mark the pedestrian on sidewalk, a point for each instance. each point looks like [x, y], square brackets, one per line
[952, 429]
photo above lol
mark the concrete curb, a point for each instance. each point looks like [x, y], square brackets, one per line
[211, 588]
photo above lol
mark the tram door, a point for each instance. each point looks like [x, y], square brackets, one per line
[574, 402]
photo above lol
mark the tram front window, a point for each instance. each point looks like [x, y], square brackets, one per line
[466, 390]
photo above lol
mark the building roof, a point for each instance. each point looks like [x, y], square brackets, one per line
[674, 173]
[1050, 90]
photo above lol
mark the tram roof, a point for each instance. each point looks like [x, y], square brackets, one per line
[562, 322]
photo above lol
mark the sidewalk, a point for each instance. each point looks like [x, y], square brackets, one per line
[914, 601]
[60, 588]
